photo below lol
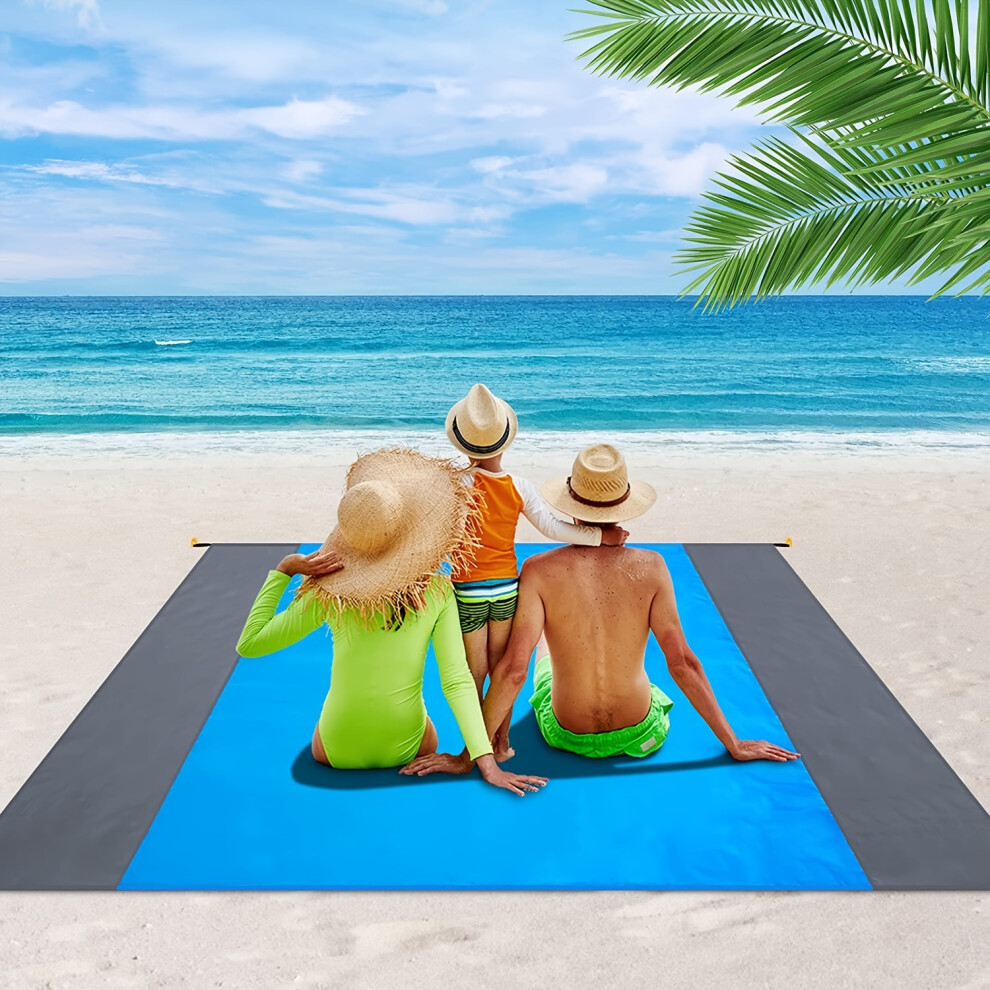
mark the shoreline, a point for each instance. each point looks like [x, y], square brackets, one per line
[917, 449]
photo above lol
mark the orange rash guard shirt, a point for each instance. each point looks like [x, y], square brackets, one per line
[504, 500]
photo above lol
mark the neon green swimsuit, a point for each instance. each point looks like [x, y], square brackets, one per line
[374, 714]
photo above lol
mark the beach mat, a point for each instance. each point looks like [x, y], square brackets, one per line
[190, 768]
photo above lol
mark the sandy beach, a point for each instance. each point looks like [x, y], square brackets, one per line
[895, 546]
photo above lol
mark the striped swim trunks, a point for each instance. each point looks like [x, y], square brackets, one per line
[480, 602]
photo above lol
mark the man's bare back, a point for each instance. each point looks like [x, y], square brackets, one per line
[597, 631]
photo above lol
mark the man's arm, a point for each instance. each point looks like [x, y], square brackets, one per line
[690, 677]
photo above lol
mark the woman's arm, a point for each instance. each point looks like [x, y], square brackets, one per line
[265, 632]
[462, 696]
[456, 680]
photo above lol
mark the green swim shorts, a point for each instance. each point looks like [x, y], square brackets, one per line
[642, 739]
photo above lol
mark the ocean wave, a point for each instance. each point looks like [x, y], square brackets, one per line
[604, 415]
[974, 364]
[341, 445]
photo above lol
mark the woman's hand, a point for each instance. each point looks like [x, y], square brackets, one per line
[319, 563]
[518, 783]
[429, 763]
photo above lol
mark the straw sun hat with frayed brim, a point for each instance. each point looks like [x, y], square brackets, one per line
[599, 489]
[481, 425]
[401, 516]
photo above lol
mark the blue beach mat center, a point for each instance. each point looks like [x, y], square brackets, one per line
[250, 808]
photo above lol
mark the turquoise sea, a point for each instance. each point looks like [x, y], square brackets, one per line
[863, 370]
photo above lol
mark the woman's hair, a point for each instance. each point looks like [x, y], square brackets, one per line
[395, 616]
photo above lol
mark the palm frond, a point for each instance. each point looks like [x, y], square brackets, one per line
[785, 217]
[816, 63]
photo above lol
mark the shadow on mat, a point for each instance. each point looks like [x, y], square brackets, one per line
[533, 756]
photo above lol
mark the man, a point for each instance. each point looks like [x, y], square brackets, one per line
[595, 608]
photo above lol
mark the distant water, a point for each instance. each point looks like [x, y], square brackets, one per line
[840, 367]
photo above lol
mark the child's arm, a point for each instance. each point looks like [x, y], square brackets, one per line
[538, 513]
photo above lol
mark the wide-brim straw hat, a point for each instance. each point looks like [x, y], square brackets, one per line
[401, 516]
[598, 488]
[481, 425]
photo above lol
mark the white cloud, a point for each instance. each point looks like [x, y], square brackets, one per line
[684, 175]
[648, 236]
[97, 171]
[381, 204]
[449, 89]
[297, 119]
[87, 11]
[246, 57]
[301, 118]
[432, 7]
[414, 207]
[492, 163]
[411, 211]
[575, 183]
[120, 232]
[517, 111]
[75, 250]
[302, 169]
[489, 214]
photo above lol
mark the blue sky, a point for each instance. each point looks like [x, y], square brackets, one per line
[391, 146]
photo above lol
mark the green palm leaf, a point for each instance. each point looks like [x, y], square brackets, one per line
[786, 217]
[818, 63]
[894, 97]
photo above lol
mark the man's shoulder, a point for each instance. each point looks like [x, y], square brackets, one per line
[649, 564]
[551, 560]
[540, 561]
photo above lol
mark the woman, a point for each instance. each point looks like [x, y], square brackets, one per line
[375, 583]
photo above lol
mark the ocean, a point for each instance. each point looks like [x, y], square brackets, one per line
[153, 374]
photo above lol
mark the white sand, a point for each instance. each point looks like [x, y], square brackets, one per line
[896, 548]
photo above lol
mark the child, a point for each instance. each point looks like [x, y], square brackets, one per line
[482, 427]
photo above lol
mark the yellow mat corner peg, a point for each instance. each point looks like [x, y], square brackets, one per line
[788, 541]
[193, 540]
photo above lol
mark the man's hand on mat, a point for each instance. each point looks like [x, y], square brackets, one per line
[518, 783]
[614, 536]
[319, 563]
[760, 749]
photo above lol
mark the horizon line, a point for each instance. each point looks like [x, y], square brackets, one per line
[472, 295]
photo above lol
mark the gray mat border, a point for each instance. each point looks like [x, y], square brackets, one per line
[909, 819]
[80, 817]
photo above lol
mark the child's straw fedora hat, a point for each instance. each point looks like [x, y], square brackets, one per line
[481, 425]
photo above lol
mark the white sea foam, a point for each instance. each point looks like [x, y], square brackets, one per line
[343, 445]
[171, 343]
[973, 364]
